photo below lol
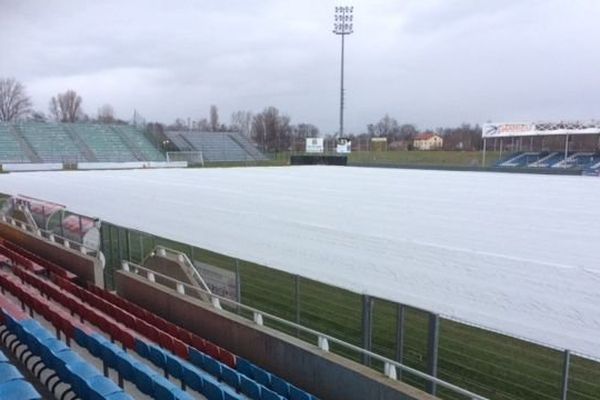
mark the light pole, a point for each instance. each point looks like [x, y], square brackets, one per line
[342, 26]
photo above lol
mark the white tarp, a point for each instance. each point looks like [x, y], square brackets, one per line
[513, 252]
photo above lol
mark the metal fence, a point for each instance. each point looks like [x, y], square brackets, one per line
[491, 364]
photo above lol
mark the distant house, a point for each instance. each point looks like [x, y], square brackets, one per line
[428, 141]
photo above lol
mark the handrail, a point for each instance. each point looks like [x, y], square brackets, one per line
[323, 339]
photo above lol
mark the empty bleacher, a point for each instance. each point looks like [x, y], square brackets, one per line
[78, 142]
[553, 160]
[80, 340]
[216, 146]
[50, 142]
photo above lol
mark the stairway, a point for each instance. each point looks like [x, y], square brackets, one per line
[25, 146]
[81, 145]
[130, 145]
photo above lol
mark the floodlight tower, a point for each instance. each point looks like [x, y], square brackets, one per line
[342, 26]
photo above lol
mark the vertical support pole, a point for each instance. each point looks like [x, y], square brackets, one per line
[432, 351]
[238, 281]
[501, 145]
[483, 156]
[367, 326]
[566, 150]
[142, 254]
[565, 375]
[342, 92]
[531, 143]
[400, 313]
[128, 244]
[297, 300]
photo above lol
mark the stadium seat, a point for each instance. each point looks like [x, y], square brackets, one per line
[249, 388]
[230, 377]
[267, 394]
[212, 391]
[18, 389]
[261, 376]
[298, 394]
[8, 372]
[212, 366]
[280, 386]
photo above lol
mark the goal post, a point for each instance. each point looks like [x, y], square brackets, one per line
[192, 157]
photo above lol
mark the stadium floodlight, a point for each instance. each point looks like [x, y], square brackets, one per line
[343, 25]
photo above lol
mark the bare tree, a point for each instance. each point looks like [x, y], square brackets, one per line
[14, 102]
[241, 121]
[66, 107]
[272, 130]
[214, 118]
[106, 114]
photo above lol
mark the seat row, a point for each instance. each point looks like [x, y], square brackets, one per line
[26, 257]
[85, 380]
[162, 331]
[12, 383]
[168, 335]
[147, 380]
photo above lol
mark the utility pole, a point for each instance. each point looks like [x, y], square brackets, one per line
[342, 26]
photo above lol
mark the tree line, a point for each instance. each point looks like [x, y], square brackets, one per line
[270, 128]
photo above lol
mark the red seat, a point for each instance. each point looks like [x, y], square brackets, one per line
[180, 349]
[227, 358]
[198, 342]
[165, 340]
[213, 350]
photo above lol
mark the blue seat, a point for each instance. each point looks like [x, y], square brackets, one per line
[9, 372]
[196, 357]
[95, 343]
[18, 389]
[109, 353]
[125, 367]
[60, 362]
[81, 338]
[143, 377]
[298, 394]
[193, 377]
[174, 365]
[261, 376]
[244, 366]
[212, 391]
[230, 376]
[212, 366]
[141, 348]
[101, 387]
[250, 388]
[266, 394]
[81, 372]
[280, 386]
[3, 358]
[157, 356]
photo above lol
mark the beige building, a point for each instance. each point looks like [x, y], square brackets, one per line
[428, 141]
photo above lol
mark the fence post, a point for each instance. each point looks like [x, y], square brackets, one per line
[128, 242]
[565, 374]
[367, 326]
[297, 301]
[400, 311]
[432, 351]
[238, 282]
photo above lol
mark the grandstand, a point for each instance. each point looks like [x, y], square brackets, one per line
[216, 146]
[32, 142]
[586, 161]
[64, 335]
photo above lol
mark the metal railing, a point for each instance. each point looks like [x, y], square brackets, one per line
[323, 340]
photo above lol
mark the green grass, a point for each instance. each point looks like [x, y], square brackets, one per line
[493, 365]
[424, 158]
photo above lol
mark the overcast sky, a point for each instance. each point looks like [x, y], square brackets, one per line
[428, 62]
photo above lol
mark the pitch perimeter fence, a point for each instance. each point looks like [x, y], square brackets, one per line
[491, 364]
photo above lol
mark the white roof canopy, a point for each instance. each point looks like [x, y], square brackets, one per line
[516, 129]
